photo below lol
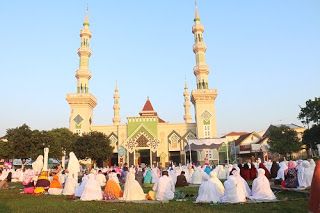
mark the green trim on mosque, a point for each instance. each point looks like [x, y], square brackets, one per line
[150, 124]
[142, 129]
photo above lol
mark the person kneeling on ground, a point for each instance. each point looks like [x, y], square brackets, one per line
[234, 190]
[112, 190]
[181, 180]
[209, 191]
[132, 188]
[92, 189]
[42, 184]
[164, 188]
[55, 186]
[261, 188]
[4, 184]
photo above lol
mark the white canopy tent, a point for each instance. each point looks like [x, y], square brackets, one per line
[203, 144]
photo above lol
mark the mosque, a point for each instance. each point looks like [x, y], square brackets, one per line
[147, 138]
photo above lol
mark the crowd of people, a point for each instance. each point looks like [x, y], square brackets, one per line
[125, 183]
[288, 174]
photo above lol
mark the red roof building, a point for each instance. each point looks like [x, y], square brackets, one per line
[148, 110]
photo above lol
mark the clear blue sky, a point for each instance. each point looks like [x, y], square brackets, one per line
[264, 58]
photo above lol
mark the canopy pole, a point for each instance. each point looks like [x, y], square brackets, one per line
[190, 153]
[227, 152]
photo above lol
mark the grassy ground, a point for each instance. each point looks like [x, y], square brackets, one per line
[12, 201]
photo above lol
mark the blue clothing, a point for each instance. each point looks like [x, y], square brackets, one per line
[147, 177]
[207, 170]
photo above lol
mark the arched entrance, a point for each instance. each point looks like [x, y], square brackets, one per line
[142, 149]
[142, 156]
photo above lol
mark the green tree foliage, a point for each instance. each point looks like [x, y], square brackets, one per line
[62, 139]
[5, 150]
[20, 142]
[283, 140]
[311, 137]
[26, 143]
[94, 145]
[311, 112]
[41, 139]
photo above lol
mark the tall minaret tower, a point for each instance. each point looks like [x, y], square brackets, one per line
[186, 105]
[116, 107]
[203, 98]
[82, 102]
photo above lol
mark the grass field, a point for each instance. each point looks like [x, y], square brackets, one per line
[12, 200]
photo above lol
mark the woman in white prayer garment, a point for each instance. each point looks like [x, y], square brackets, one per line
[197, 176]
[155, 174]
[300, 171]
[234, 190]
[73, 165]
[208, 191]
[38, 165]
[164, 188]
[261, 188]
[173, 175]
[307, 175]
[243, 183]
[72, 177]
[92, 190]
[70, 185]
[191, 171]
[221, 172]
[80, 188]
[101, 178]
[281, 172]
[132, 188]
[219, 188]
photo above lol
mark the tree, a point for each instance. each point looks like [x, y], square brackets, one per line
[283, 140]
[311, 112]
[41, 139]
[20, 143]
[5, 150]
[94, 145]
[25, 143]
[62, 139]
[311, 137]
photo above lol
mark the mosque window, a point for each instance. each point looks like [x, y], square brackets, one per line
[206, 131]
[209, 154]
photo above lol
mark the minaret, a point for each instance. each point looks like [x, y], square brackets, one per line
[83, 74]
[186, 105]
[116, 107]
[203, 98]
[82, 102]
[201, 69]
